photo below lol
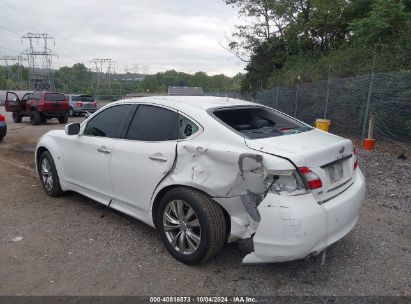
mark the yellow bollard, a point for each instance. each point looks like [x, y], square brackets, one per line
[323, 124]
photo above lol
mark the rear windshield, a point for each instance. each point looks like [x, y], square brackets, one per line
[83, 98]
[87, 98]
[258, 122]
[55, 97]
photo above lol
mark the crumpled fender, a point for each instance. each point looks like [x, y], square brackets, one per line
[234, 177]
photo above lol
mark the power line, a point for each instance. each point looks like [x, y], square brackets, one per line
[46, 55]
[9, 30]
[43, 27]
[103, 69]
[15, 68]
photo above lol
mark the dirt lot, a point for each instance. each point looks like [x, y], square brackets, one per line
[74, 246]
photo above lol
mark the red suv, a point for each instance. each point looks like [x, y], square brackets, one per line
[38, 106]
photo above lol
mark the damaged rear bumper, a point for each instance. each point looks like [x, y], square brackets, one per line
[293, 227]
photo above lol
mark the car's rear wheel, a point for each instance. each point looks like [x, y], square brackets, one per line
[191, 224]
[43, 119]
[17, 117]
[63, 119]
[35, 118]
[48, 174]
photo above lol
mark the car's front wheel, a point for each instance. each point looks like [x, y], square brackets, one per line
[63, 119]
[17, 117]
[191, 224]
[48, 174]
[35, 118]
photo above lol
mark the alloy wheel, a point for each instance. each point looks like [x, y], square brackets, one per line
[47, 174]
[182, 227]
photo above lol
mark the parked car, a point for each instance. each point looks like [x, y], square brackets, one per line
[3, 127]
[207, 170]
[38, 106]
[81, 104]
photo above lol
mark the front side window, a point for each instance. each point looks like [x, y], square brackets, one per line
[151, 123]
[25, 97]
[109, 122]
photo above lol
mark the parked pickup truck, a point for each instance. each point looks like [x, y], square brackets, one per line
[38, 106]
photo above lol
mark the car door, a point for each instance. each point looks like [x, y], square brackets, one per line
[139, 162]
[12, 103]
[87, 156]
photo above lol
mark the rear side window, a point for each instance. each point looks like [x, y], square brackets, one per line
[258, 122]
[35, 96]
[151, 123]
[109, 122]
[186, 127]
[55, 97]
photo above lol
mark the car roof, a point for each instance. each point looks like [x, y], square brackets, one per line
[184, 102]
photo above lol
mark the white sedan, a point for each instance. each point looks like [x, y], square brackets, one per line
[208, 170]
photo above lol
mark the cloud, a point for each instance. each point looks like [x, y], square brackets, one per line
[162, 34]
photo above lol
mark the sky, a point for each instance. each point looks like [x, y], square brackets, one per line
[154, 35]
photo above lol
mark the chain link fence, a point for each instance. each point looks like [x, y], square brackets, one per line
[348, 103]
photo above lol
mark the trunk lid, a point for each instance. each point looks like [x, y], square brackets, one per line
[329, 156]
[55, 102]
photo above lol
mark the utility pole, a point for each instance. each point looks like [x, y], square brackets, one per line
[15, 68]
[45, 54]
[135, 71]
[103, 69]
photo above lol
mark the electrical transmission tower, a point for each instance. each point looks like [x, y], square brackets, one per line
[104, 68]
[40, 61]
[135, 71]
[14, 65]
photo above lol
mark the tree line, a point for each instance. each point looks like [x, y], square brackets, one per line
[288, 41]
[79, 79]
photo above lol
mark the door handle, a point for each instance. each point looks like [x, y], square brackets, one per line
[104, 149]
[158, 157]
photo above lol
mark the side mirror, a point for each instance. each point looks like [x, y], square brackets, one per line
[72, 128]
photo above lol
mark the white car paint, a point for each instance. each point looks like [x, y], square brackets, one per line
[228, 167]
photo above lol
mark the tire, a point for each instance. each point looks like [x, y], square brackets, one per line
[206, 222]
[63, 119]
[35, 118]
[71, 113]
[43, 119]
[48, 175]
[17, 117]
[1, 139]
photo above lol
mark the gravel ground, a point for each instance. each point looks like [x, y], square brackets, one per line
[74, 246]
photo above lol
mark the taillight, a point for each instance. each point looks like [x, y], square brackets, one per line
[95, 104]
[354, 153]
[2, 118]
[313, 180]
[79, 104]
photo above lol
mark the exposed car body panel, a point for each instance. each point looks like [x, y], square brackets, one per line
[294, 227]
